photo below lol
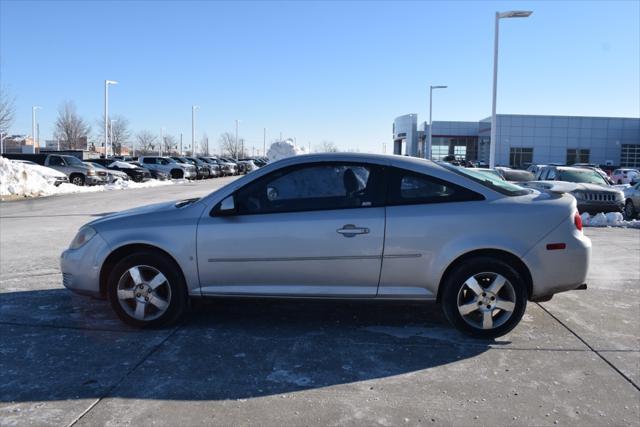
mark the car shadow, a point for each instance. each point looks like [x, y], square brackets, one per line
[59, 346]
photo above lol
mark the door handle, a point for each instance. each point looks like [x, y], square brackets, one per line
[350, 230]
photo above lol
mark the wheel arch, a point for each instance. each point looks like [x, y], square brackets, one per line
[500, 254]
[115, 256]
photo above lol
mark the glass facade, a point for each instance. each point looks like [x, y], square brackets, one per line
[465, 147]
[520, 157]
[577, 155]
[630, 156]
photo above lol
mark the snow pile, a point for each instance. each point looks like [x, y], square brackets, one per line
[122, 165]
[611, 219]
[18, 179]
[283, 149]
[22, 180]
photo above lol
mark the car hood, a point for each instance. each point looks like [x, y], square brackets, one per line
[567, 187]
[142, 210]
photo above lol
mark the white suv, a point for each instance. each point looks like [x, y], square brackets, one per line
[169, 166]
[624, 176]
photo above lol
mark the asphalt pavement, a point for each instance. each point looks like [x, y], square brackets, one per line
[67, 360]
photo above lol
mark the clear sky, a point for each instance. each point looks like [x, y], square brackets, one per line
[335, 71]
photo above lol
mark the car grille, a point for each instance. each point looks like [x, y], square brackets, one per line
[600, 197]
[67, 279]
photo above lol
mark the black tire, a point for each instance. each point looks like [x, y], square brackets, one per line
[176, 174]
[77, 179]
[178, 300]
[630, 212]
[453, 289]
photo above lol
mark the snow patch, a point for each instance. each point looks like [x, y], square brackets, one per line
[283, 149]
[23, 180]
[610, 219]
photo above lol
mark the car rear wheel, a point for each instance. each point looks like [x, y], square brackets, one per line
[147, 290]
[630, 211]
[484, 297]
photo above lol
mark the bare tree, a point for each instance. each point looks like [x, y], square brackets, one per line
[204, 145]
[70, 127]
[146, 141]
[228, 145]
[327, 147]
[118, 133]
[7, 110]
[170, 145]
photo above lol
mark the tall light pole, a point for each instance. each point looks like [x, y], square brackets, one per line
[110, 136]
[264, 142]
[106, 111]
[499, 15]
[161, 141]
[33, 125]
[193, 124]
[427, 150]
[2, 134]
[236, 150]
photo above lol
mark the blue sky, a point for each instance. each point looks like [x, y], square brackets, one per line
[335, 71]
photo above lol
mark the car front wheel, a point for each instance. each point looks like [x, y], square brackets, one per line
[484, 297]
[630, 211]
[147, 290]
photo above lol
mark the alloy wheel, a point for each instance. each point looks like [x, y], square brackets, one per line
[144, 293]
[486, 300]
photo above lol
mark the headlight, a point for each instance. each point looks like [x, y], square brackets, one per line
[91, 172]
[84, 235]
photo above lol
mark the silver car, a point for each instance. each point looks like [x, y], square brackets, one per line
[168, 166]
[632, 201]
[340, 226]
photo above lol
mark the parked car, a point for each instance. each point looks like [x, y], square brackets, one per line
[155, 174]
[211, 170]
[228, 168]
[597, 169]
[112, 175]
[239, 167]
[515, 175]
[136, 173]
[632, 201]
[340, 225]
[50, 175]
[77, 172]
[624, 175]
[169, 166]
[202, 171]
[216, 169]
[593, 192]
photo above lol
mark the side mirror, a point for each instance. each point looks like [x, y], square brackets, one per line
[226, 207]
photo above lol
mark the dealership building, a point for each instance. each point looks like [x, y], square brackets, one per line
[525, 139]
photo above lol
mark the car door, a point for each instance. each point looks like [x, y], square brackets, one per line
[422, 212]
[311, 230]
[58, 163]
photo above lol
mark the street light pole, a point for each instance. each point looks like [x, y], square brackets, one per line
[33, 125]
[111, 136]
[493, 142]
[236, 150]
[193, 125]
[1, 142]
[427, 151]
[161, 141]
[264, 142]
[106, 111]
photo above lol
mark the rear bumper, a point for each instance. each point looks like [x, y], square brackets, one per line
[559, 270]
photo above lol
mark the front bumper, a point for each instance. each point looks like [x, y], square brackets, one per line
[190, 174]
[596, 207]
[81, 267]
[95, 180]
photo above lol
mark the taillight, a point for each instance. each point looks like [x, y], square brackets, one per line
[577, 220]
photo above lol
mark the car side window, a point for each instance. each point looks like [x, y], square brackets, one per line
[56, 161]
[148, 160]
[408, 188]
[551, 175]
[313, 187]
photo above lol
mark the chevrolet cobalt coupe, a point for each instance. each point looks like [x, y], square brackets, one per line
[340, 226]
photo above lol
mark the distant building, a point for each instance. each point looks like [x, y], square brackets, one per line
[18, 144]
[526, 139]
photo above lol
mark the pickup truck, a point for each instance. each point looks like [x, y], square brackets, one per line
[78, 172]
[169, 166]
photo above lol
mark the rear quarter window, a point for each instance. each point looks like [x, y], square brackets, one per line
[408, 188]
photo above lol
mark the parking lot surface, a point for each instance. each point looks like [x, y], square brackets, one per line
[67, 360]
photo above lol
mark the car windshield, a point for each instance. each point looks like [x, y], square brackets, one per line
[489, 172]
[73, 161]
[96, 165]
[488, 180]
[586, 176]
